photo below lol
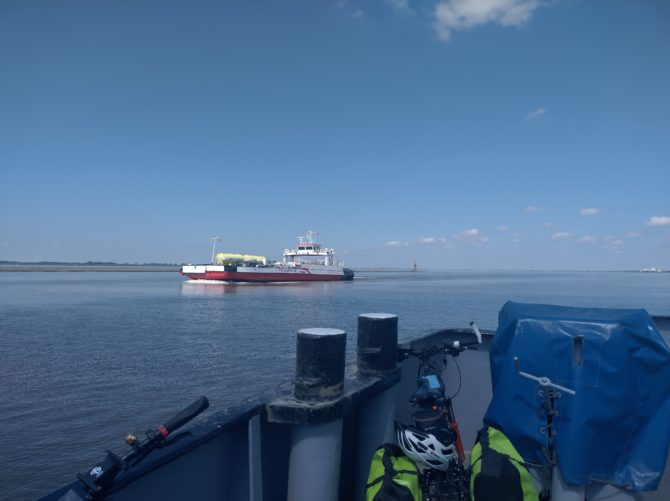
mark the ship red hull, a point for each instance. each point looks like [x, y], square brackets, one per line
[230, 276]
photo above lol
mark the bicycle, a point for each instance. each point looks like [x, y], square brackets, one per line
[434, 441]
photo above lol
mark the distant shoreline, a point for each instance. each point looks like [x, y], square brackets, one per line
[87, 267]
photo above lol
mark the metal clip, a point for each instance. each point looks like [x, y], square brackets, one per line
[542, 380]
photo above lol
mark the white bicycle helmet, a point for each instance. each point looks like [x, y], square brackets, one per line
[425, 448]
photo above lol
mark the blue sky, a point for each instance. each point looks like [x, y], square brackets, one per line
[460, 134]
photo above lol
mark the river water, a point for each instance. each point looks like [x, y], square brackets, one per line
[87, 357]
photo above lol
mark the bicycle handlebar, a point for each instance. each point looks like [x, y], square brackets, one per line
[155, 438]
[453, 348]
[94, 483]
[450, 348]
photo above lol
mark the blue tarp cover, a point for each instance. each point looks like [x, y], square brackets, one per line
[616, 429]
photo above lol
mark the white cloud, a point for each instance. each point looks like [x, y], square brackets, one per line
[453, 15]
[472, 236]
[536, 113]
[561, 235]
[588, 239]
[349, 9]
[612, 241]
[589, 212]
[532, 208]
[400, 5]
[426, 240]
[396, 243]
[501, 228]
[633, 234]
[548, 224]
[520, 236]
[658, 221]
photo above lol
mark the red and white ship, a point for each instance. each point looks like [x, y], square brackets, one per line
[308, 262]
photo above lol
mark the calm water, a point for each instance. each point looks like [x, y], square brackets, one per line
[87, 357]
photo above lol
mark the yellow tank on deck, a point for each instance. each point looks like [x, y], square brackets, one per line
[225, 258]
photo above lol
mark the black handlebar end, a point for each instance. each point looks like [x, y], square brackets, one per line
[184, 416]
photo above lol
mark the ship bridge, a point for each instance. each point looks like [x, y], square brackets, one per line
[308, 251]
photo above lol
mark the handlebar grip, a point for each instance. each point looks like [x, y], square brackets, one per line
[184, 416]
[458, 346]
[403, 351]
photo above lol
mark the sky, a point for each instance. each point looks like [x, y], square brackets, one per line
[460, 134]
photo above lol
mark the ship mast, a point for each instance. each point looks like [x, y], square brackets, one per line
[215, 238]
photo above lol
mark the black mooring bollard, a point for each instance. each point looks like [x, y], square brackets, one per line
[377, 342]
[377, 350]
[319, 365]
[316, 448]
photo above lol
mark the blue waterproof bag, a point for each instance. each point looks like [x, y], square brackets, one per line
[615, 429]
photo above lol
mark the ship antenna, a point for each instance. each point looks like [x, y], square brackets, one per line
[215, 238]
[310, 236]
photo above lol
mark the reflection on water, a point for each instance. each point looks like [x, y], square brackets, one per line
[221, 288]
[207, 288]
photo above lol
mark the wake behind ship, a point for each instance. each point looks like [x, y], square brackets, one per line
[308, 262]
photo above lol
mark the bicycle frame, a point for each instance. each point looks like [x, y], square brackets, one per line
[442, 402]
[437, 421]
